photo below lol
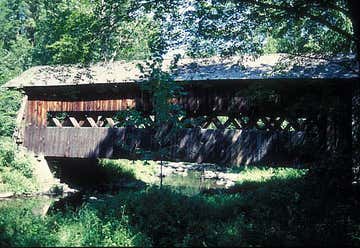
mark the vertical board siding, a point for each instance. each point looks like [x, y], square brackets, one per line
[192, 145]
[36, 112]
[197, 102]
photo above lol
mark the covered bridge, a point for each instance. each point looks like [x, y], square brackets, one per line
[304, 109]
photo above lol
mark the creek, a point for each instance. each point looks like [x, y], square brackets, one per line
[89, 180]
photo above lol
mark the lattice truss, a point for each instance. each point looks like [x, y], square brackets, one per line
[91, 119]
[245, 122]
[268, 123]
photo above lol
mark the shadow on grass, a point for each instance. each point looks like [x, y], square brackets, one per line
[286, 212]
[276, 212]
[90, 174]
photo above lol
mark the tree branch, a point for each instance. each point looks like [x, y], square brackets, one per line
[298, 11]
[326, 23]
[334, 7]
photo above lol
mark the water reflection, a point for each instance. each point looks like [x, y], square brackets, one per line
[38, 206]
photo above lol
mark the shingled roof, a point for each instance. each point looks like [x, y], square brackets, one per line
[271, 66]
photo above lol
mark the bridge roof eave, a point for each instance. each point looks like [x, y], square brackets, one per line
[215, 69]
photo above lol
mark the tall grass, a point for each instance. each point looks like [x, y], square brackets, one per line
[89, 226]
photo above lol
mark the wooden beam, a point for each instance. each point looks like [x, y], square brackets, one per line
[81, 123]
[228, 122]
[91, 121]
[74, 122]
[99, 122]
[235, 123]
[110, 121]
[217, 123]
[57, 122]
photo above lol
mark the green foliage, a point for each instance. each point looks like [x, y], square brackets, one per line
[16, 169]
[163, 90]
[115, 170]
[285, 209]
[89, 226]
[267, 206]
[65, 33]
[147, 172]
[89, 31]
[132, 118]
[9, 105]
[15, 58]
[217, 27]
[19, 226]
[276, 212]
[265, 174]
[46, 32]
[271, 45]
[305, 36]
[122, 168]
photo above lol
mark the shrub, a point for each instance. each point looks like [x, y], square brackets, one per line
[9, 105]
[85, 227]
[16, 169]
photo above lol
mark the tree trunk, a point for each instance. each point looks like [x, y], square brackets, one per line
[354, 6]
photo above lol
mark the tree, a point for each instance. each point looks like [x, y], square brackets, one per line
[306, 26]
[90, 31]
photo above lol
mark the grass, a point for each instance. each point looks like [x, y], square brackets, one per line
[146, 171]
[275, 213]
[281, 213]
[137, 169]
[192, 183]
[267, 207]
[264, 174]
[88, 226]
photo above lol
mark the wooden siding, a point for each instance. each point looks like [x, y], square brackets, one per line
[197, 102]
[192, 145]
[36, 113]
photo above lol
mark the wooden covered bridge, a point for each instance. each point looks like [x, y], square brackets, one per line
[69, 111]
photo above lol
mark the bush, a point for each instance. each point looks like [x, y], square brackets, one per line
[9, 105]
[85, 227]
[16, 169]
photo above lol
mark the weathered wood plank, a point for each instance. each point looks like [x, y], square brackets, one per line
[56, 122]
[193, 145]
[110, 121]
[74, 122]
[36, 110]
[91, 122]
